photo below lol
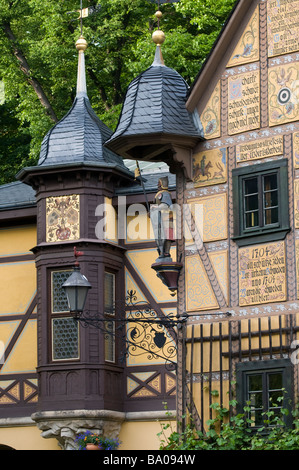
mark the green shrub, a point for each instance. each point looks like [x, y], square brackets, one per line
[237, 433]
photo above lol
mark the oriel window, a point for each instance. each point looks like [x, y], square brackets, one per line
[109, 300]
[64, 329]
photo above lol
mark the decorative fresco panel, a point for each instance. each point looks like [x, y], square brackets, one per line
[257, 149]
[247, 49]
[283, 94]
[296, 149]
[199, 293]
[243, 102]
[296, 202]
[283, 30]
[262, 274]
[214, 216]
[63, 218]
[210, 118]
[219, 260]
[209, 167]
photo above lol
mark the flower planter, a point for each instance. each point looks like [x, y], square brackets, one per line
[92, 447]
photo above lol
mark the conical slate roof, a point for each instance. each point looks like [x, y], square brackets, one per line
[80, 135]
[155, 104]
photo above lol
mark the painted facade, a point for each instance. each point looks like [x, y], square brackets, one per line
[238, 284]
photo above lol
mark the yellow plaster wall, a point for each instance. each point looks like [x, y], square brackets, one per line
[17, 286]
[17, 240]
[26, 438]
[142, 435]
[146, 257]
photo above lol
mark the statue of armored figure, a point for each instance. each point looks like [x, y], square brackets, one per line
[161, 215]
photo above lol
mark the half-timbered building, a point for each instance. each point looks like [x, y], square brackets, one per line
[229, 146]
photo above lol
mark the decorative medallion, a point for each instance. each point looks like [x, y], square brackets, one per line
[283, 94]
[63, 218]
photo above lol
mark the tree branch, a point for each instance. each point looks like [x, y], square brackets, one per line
[24, 66]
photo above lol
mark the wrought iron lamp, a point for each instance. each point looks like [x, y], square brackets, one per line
[76, 288]
[145, 329]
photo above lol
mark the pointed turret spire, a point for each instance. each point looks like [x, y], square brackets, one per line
[81, 46]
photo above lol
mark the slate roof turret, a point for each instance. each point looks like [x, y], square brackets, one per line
[80, 135]
[155, 103]
[154, 113]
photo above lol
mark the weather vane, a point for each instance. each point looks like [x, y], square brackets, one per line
[84, 13]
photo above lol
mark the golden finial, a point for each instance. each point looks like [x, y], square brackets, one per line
[158, 36]
[158, 14]
[81, 44]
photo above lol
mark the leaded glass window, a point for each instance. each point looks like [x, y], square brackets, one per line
[65, 330]
[109, 301]
[65, 338]
[59, 298]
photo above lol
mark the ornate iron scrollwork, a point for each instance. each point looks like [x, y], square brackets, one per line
[142, 329]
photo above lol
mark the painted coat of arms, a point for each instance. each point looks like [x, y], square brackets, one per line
[62, 218]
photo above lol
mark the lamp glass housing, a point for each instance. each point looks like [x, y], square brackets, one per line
[76, 288]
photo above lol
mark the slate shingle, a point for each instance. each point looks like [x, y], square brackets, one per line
[155, 102]
[78, 138]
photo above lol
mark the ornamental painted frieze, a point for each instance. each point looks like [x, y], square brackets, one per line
[247, 49]
[283, 94]
[210, 117]
[62, 218]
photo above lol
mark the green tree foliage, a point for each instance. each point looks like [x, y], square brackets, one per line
[38, 62]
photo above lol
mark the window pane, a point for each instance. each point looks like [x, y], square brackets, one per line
[109, 293]
[271, 216]
[270, 191]
[256, 399]
[251, 203]
[251, 219]
[59, 298]
[255, 382]
[256, 416]
[271, 198]
[275, 385]
[275, 381]
[65, 338]
[109, 341]
[250, 186]
[270, 182]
